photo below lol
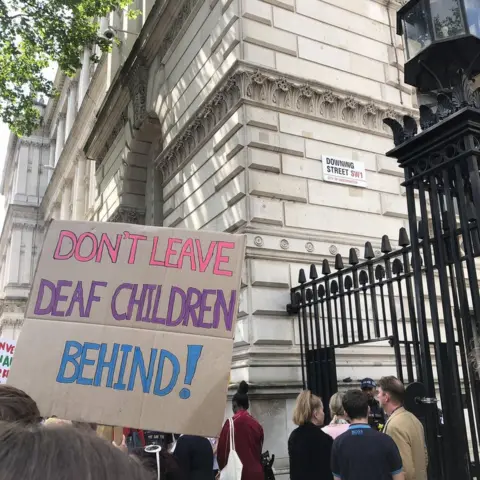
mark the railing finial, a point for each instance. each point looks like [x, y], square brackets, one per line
[403, 239]
[386, 246]
[339, 262]
[369, 254]
[301, 276]
[353, 257]
[326, 268]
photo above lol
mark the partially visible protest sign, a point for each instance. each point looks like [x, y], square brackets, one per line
[7, 349]
[132, 325]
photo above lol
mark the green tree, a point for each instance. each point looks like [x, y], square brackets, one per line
[35, 34]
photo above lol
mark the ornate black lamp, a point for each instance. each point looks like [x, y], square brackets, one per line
[442, 48]
[441, 37]
[441, 168]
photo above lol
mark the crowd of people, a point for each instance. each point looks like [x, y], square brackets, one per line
[351, 447]
[356, 445]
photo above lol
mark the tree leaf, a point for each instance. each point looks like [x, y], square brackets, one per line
[36, 34]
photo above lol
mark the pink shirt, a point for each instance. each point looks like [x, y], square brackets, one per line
[336, 429]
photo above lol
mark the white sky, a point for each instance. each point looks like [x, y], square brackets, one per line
[4, 136]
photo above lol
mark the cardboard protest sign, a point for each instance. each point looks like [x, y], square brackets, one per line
[132, 325]
[7, 349]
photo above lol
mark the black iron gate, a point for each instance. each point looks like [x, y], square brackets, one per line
[372, 301]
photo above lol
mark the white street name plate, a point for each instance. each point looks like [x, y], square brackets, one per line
[347, 172]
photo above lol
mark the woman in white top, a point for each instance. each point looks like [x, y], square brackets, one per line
[339, 423]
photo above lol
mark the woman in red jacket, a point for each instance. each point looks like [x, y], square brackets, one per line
[248, 438]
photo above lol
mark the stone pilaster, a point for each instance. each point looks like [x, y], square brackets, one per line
[79, 189]
[72, 105]
[66, 201]
[60, 140]
[84, 79]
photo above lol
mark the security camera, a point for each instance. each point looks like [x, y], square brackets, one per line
[109, 33]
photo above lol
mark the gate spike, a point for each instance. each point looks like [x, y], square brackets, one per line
[326, 268]
[386, 247]
[313, 272]
[353, 257]
[339, 262]
[301, 276]
[403, 239]
[369, 254]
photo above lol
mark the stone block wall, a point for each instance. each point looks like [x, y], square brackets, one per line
[226, 130]
[244, 134]
[191, 68]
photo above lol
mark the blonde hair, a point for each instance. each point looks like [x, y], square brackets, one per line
[336, 407]
[306, 404]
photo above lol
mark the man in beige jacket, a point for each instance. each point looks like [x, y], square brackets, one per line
[404, 428]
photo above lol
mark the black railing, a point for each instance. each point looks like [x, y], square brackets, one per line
[362, 302]
[374, 300]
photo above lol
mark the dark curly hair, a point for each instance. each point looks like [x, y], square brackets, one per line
[17, 406]
[241, 397]
[169, 469]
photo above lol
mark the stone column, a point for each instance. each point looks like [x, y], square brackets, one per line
[71, 107]
[60, 136]
[56, 211]
[66, 200]
[20, 192]
[27, 247]
[92, 190]
[79, 189]
[51, 160]
[84, 80]
[14, 255]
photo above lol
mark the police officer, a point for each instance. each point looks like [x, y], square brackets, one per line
[376, 415]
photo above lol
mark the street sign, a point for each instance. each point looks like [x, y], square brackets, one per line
[346, 172]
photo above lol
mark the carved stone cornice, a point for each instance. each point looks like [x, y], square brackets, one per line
[33, 143]
[281, 93]
[10, 306]
[113, 135]
[137, 84]
[11, 322]
[176, 27]
[72, 85]
[128, 215]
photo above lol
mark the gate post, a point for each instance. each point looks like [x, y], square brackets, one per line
[442, 184]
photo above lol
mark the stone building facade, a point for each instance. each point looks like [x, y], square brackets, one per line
[215, 114]
[23, 185]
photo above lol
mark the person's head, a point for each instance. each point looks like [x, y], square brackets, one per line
[391, 393]
[17, 406]
[169, 469]
[240, 399]
[308, 408]
[369, 387]
[39, 453]
[336, 407]
[355, 404]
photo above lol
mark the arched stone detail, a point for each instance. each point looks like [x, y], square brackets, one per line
[141, 193]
